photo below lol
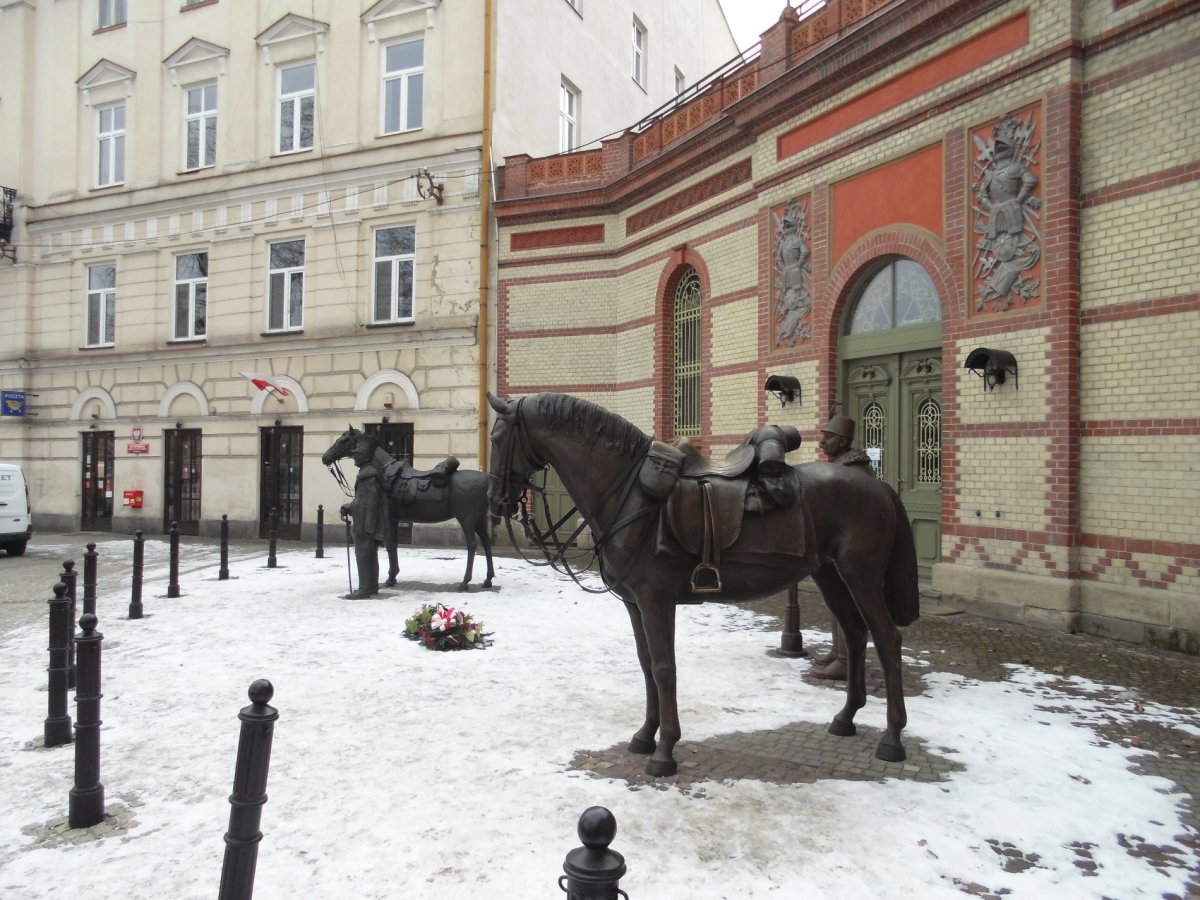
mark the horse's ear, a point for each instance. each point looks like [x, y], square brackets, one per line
[497, 404]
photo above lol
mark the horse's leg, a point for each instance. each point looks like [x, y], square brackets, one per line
[658, 620]
[481, 530]
[393, 534]
[864, 583]
[837, 597]
[468, 531]
[643, 739]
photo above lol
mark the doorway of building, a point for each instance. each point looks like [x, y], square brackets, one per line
[282, 475]
[892, 387]
[181, 479]
[96, 480]
[396, 438]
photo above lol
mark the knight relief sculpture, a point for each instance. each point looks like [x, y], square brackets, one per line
[1007, 215]
[793, 275]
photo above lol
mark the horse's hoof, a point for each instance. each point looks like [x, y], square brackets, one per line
[661, 768]
[890, 752]
[842, 729]
[391, 582]
[641, 746]
[463, 587]
[487, 585]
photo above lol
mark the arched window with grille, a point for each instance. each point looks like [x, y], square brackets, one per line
[686, 354]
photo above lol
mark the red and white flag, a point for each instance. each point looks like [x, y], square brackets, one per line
[264, 383]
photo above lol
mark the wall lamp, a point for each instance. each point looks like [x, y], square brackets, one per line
[785, 387]
[179, 426]
[992, 366]
[386, 419]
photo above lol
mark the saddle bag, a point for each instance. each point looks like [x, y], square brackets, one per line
[660, 469]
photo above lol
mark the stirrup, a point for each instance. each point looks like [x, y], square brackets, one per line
[700, 572]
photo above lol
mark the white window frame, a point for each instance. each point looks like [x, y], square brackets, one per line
[110, 13]
[295, 100]
[639, 43]
[202, 121]
[290, 315]
[394, 262]
[190, 289]
[569, 99]
[405, 77]
[575, 4]
[680, 82]
[101, 309]
[110, 145]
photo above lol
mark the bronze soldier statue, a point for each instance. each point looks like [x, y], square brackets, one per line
[369, 517]
[837, 439]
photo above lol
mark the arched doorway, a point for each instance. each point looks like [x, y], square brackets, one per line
[890, 350]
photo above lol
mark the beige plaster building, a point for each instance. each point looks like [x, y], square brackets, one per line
[239, 226]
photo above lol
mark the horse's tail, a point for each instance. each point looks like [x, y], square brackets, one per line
[900, 587]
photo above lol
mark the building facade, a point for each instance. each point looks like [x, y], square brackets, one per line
[967, 224]
[240, 227]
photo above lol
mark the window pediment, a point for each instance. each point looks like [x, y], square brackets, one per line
[292, 33]
[108, 78]
[386, 10]
[195, 52]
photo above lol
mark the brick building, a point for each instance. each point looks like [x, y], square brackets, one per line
[887, 192]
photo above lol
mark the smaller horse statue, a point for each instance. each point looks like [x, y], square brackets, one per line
[437, 495]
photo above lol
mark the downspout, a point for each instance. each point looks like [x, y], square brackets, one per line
[485, 214]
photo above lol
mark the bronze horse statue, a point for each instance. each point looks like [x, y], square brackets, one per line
[850, 533]
[441, 494]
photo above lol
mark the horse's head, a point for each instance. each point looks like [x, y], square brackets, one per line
[344, 446]
[513, 464]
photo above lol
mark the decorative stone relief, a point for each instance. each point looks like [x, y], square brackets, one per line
[792, 273]
[1006, 266]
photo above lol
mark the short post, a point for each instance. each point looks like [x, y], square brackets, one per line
[173, 583]
[593, 871]
[89, 580]
[274, 533]
[135, 597]
[249, 793]
[68, 577]
[86, 807]
[320, 531]
[57, 728]
[223, 572]
[791, 641]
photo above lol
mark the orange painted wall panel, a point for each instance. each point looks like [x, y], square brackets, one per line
[905, 192]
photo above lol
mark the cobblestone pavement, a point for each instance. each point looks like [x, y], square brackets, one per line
[971, 647]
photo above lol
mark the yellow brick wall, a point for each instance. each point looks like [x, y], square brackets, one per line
[1134, 369]
[1141, 487]
[1006, 476]
[1005, 403]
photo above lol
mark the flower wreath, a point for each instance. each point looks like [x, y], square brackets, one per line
[441, 627]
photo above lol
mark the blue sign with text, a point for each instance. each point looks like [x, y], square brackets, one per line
[12, 403]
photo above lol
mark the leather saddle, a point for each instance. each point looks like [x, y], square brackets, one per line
[405, 483]
[704, 511]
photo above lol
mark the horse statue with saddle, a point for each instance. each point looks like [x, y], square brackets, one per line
[670, 526]
[388, 491]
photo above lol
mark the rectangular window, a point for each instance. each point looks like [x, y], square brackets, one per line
[200, 126]
[112, 12]
[191, 295]
[403, 79]
[680, 81]
[285, 301]
[568, 117]
[297, 101]
[101, 305]
[110, 144]
[394, 249]
[639, 52]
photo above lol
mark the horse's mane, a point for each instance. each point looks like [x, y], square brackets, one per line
[591, 425]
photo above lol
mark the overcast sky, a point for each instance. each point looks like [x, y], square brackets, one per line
[750, 18]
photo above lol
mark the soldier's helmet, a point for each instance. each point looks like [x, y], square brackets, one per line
[841, 426]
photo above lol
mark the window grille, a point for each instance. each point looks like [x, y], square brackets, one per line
[929, 442]
[687, 354]
[874, 428]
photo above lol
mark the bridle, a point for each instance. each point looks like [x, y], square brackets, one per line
[552, 546]
[336, 469]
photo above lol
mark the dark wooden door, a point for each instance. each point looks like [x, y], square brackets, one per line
[181, 479]
[96, 480]
[281, 459]
[396, 438]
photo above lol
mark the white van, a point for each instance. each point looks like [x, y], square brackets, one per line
[16, 523]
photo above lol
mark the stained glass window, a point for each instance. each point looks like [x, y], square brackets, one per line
[901, 293]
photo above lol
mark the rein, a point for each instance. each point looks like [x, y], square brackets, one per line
[341, 479]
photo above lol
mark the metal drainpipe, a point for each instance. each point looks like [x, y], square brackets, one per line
[485, 213]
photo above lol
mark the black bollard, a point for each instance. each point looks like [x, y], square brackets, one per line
[58, 720]
[249, 793]
[791, 641]
[68, 577]
[271, 563]
[223, 572]
[593, 871]
[320, 532]
[173, 583]
[86, 806]
[135, 596]
[89, 580]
